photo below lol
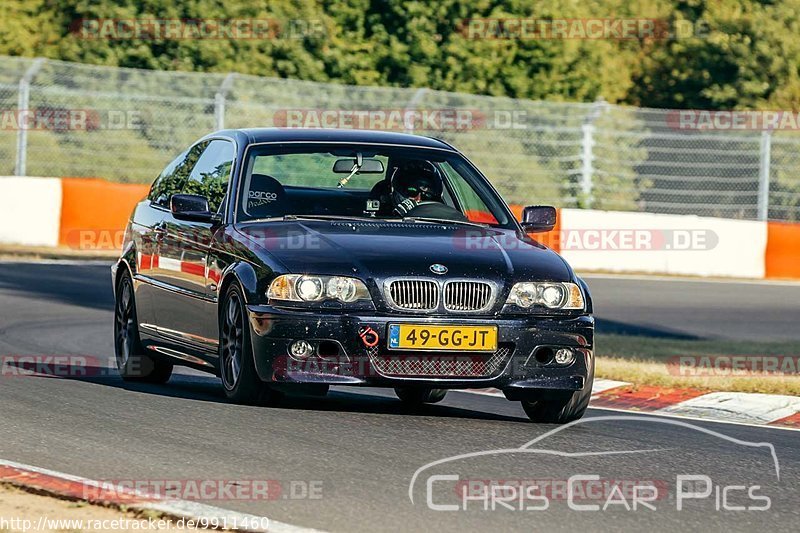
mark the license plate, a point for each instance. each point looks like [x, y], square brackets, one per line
[443, 338]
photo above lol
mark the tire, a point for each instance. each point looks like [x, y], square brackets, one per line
[236, 363]
[562, 407]
[133, 363]
[415, 396]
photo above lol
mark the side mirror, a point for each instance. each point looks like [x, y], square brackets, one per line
[192, 207]
[537, 218]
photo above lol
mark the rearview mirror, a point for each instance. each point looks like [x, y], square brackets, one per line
[537, 218]
[192, 207]
[368, 166]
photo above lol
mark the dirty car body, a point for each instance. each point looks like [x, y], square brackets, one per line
[281, 260]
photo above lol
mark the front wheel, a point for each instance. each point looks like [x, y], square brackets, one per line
[132, 361]
[236, 364]
[561, 407]
[418, 396]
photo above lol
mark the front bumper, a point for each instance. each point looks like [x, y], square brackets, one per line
[272, 330]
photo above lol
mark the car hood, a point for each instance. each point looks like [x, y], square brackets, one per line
[380, 250]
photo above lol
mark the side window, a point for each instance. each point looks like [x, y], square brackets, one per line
[174, 176]
[210, 175]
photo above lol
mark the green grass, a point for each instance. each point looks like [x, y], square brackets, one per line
[644, 361]
[658, 349]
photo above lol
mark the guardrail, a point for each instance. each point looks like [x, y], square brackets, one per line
[74, 119]
[91, 214]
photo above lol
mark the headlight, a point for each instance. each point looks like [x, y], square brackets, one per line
[310, 289]
[549, 294]
[344, 289]
[303, 288]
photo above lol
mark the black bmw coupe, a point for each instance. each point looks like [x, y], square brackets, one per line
[290, 260]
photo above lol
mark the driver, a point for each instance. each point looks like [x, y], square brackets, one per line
[416, 190]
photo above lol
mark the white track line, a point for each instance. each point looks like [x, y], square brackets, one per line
[657, 277]
[176, 508]
[602, 385]
[738, 407]
[696, 418]
[649, 413]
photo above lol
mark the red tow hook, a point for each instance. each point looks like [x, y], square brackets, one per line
[368, 336]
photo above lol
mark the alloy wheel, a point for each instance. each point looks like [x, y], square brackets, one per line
[232, 342]
[124, 324]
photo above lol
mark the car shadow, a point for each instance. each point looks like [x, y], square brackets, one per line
[615, 327]
[83, 285]
[356, 402]
[208, 389]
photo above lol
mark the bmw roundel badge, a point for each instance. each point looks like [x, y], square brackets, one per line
[436, 268]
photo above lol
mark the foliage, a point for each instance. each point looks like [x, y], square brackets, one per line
[722, 54]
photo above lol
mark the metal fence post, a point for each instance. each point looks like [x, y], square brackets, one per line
[765, 155]
[219, 101]
[587, 153]
[411, 105]
[587, 164]
[23, 101]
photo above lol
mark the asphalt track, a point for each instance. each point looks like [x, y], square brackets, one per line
[697, 309]
[363, 449]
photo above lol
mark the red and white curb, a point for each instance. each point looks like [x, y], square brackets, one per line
[731, 407]
[104, 493]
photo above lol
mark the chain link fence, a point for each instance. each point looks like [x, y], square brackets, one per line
[67, 119]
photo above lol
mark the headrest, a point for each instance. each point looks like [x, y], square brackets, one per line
[266, 197]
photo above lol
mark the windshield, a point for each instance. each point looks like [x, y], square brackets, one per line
[366, 181]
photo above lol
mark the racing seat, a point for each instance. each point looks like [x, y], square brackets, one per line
[381, 192]
[266, 197]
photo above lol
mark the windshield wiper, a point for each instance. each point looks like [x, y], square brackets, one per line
[446, 221]
[325, 217]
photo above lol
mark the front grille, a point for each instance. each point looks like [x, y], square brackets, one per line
[442, 365]
[467, 295]
[414, 295]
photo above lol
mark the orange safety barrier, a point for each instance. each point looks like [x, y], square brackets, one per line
[548, 238]
[783, 250]
[94, 212]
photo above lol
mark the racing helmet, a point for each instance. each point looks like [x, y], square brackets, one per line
[418, 181]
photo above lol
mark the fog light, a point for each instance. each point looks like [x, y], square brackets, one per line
[564, 356]
[544, 356]
[301, 349]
